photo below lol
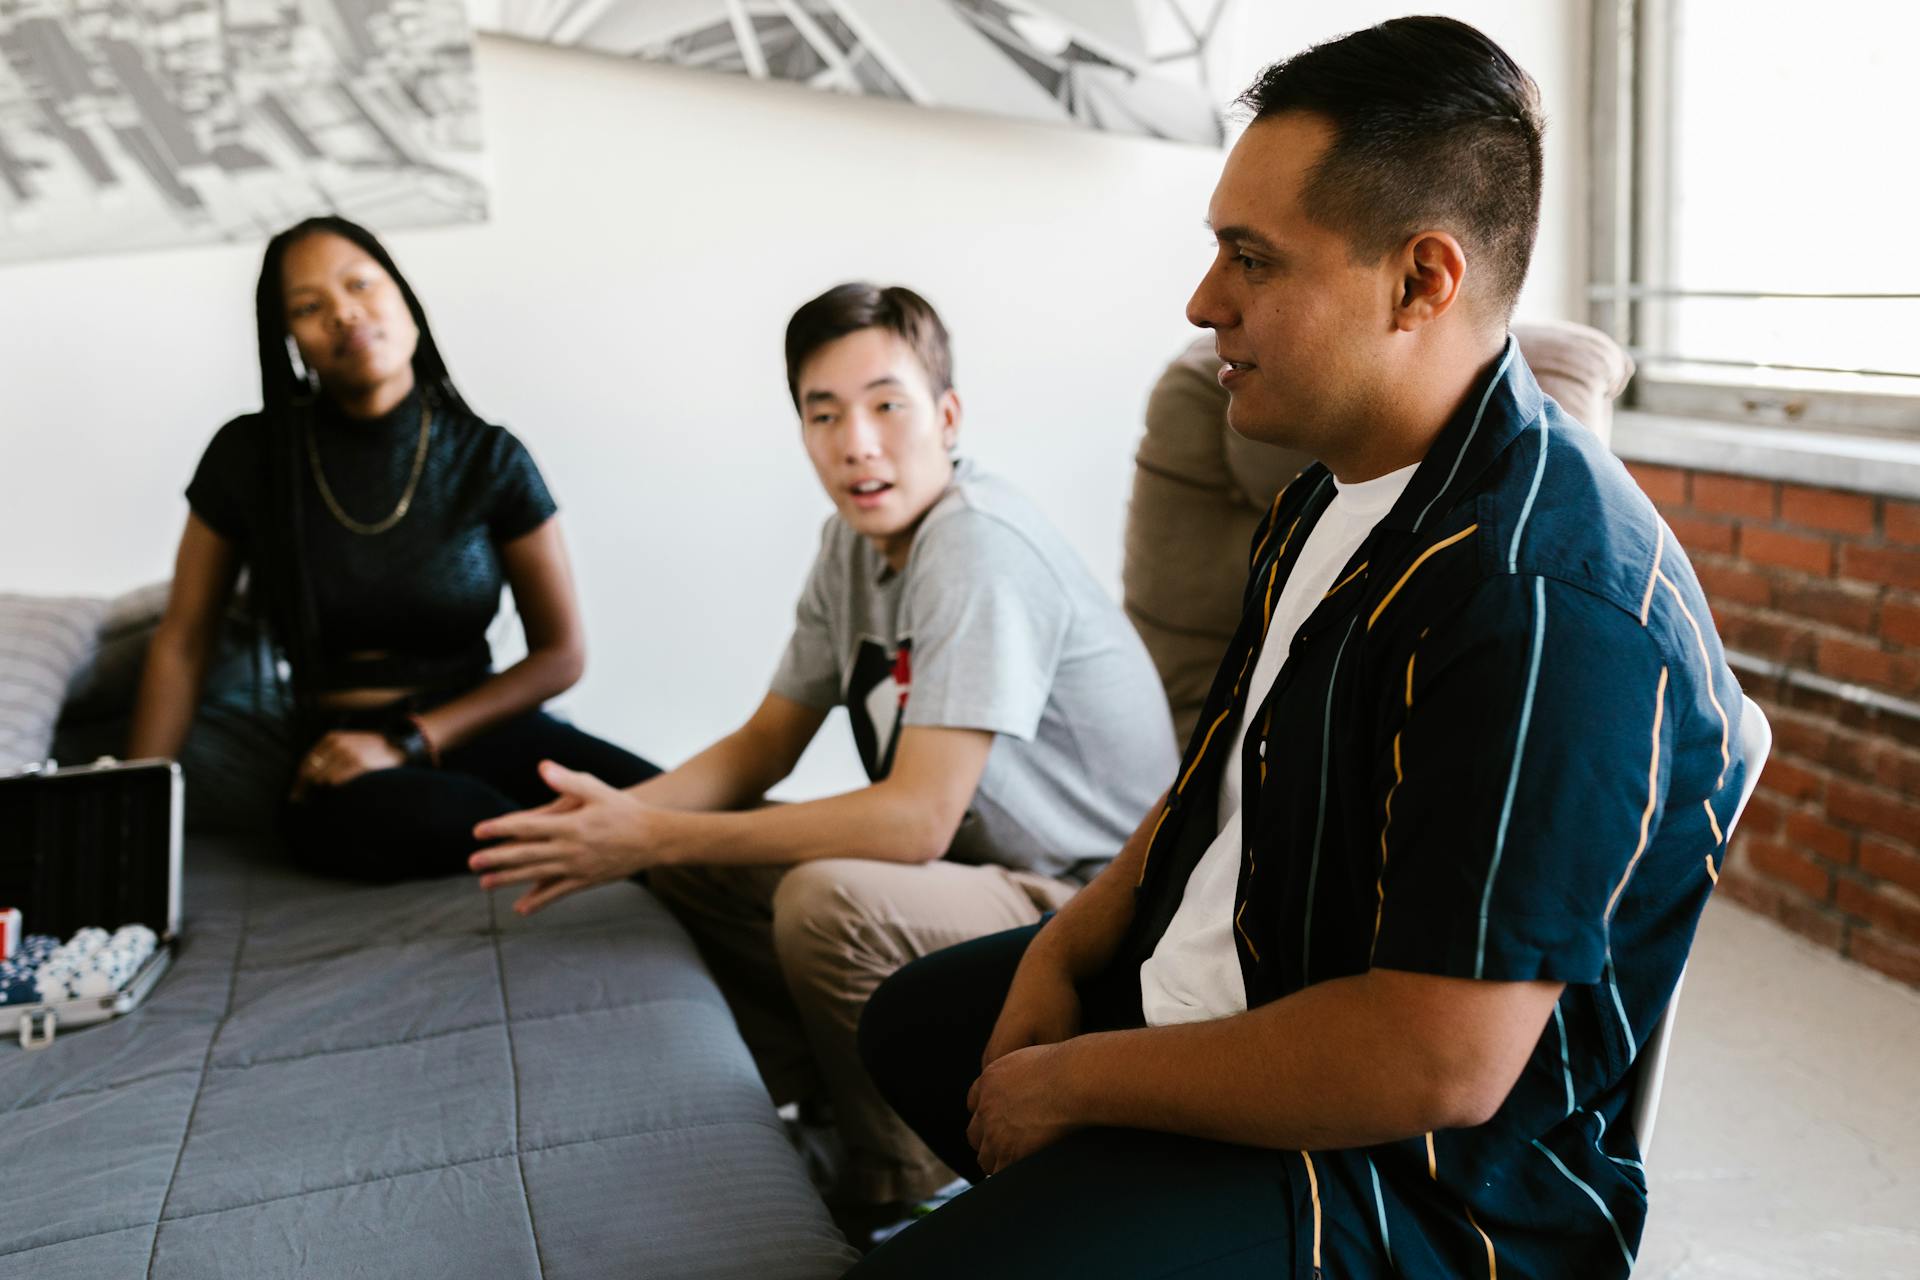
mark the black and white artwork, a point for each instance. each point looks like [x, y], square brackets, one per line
[1136, 66]
[138, 124]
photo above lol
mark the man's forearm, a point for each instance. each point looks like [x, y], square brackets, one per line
[1083, 937]
[1350, 1062]
[729, 774]
[870, 823]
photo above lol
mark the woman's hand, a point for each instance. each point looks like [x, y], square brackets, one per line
[590, 834]
[340, 757]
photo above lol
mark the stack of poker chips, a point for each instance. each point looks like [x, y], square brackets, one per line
[94, 963]
[17, 973]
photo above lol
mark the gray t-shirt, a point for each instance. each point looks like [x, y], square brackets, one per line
[996, 625]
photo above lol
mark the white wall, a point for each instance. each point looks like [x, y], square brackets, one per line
[1549, 38]
[622, 312]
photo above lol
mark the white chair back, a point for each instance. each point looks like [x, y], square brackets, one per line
[1756, 741]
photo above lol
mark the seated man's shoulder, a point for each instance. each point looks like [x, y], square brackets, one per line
[984, 524]
[1555, 513]
[1565, 509]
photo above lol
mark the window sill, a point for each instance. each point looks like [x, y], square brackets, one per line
[1833, 460]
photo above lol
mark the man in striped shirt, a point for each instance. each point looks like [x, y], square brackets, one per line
[1363, 995]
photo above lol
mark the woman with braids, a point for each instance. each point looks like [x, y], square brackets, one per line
[377, 516]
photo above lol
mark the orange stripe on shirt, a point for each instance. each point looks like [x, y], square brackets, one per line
[1659, 547]
[1433, 1171]
[1187, 777]
[1424, 556]
[1653, 794]
[1399, 776]
[1272, 511]
[1706, 671]
[1344, 581]
[1313, 1189]
[1242, 931]
[1493, 1264]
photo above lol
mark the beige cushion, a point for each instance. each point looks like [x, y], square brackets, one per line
[1189, 524]
[1579, 366]
[1199, 490]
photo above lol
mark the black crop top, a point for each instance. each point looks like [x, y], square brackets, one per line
[423, 592]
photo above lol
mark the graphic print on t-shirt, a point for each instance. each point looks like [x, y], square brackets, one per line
[877, 700]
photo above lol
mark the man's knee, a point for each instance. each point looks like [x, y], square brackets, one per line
[941, 1006]
[888, 1038]
[813, 915]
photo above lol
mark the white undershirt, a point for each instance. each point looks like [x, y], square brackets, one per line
[1194, 974]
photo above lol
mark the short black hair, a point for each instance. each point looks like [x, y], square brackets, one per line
[1434, 126]
[849, 308]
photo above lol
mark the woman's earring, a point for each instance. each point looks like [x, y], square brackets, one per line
[307, 378]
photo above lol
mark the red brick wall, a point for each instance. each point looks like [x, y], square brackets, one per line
[1825, 582]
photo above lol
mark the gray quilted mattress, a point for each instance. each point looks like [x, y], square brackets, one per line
[340, 1080]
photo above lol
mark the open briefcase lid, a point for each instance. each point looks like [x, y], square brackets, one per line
[95, 845]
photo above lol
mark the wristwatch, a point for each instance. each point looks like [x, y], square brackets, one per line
[411, 741]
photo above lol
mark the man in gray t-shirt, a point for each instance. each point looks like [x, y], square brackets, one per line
[994, 625]
[1010, 721]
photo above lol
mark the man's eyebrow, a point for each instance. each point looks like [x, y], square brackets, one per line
[815, 396]
[1246, 237]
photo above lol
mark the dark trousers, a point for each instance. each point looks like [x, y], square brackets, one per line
[406, 823]
[1114, 1203]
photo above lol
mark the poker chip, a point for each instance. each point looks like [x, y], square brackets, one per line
[91, 964]
[138, 936]
[95, 982]
[91, 938]
[17, 973]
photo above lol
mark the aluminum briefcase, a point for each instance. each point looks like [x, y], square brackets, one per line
[100, 844]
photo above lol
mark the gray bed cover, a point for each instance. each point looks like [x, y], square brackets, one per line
[341, 1080]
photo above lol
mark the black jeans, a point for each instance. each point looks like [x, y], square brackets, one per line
[406, 823]
[1114, 1203]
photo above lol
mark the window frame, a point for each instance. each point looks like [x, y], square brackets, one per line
[1631, 231]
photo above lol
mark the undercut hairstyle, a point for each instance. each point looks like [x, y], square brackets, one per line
[849, 308]
[1434, 127]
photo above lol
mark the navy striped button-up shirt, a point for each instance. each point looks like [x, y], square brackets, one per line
[1504, 746]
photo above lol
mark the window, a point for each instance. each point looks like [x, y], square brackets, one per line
[1755, 194]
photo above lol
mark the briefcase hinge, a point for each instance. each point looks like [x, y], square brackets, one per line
[36, 1028]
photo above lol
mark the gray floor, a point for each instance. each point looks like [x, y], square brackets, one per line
[1788, 1142]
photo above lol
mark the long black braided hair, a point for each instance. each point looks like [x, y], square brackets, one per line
[280, 590]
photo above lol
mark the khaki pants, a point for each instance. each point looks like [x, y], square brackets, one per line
[798, 950]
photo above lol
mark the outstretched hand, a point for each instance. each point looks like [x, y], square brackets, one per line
[588, 834]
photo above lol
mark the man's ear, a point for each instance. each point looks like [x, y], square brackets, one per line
[948, 410]
[1432, 269]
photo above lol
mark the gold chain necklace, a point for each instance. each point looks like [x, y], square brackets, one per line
[399, 512]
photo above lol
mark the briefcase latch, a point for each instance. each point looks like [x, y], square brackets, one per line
[36, 1028]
